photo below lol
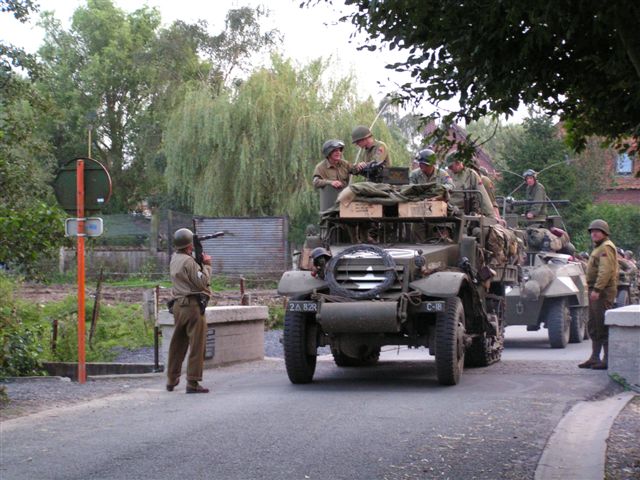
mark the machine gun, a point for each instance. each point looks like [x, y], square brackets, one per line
[373, 172]
[197, 243]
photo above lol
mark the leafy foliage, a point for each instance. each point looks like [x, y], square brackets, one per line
[253, 153]
[580, 63]
[624, 221]
[29, 234]
[20, 334]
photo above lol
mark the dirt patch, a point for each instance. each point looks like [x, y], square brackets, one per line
[37, 293]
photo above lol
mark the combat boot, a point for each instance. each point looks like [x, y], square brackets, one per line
[604, 364]
[594, 359]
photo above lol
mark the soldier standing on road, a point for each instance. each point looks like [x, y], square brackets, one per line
[374, 150]
[333, 171]
[189, 284]
[535, 192]
[602, 279]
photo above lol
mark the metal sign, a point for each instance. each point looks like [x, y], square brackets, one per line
[93, 227]
[97, 186]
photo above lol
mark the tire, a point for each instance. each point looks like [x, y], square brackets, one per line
[579, 317]
[299, 361]
[622, 298]
[558, 322]
[450, 342]
[342, 360]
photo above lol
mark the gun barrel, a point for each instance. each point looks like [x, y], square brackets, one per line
[202, 238]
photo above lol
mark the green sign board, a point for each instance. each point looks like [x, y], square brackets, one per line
[97, 186]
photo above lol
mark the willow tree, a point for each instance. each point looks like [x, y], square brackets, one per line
[252, 152]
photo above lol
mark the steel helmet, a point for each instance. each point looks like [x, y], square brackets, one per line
[529, 173]
[599, 225]
[426, 156]
[182, 238]
[452, 157]
[360, 133]
[331, 145]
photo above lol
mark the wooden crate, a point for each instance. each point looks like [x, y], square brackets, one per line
[423, 208]
[360, 210]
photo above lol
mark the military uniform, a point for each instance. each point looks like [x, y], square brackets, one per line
[467, 179]
[188, 281]
[602, 277]
[378, 152]
[490, 188]
[536, 193]
[439, 176]
[325, 173]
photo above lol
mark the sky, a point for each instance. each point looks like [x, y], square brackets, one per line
[309, 33]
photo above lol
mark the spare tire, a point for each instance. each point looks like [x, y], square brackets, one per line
[389, 274]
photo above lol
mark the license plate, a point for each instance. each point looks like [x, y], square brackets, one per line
[306, 306]
[433, 306]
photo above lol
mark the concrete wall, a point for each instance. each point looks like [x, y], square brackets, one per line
[624, 342]
[235, 334]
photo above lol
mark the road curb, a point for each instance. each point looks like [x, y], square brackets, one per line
[577, 446]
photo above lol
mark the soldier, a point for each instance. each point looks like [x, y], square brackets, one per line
[375, 151]
[602, 279]
[427, 172]
[333, 171]
[488, 185]
[535, 193]
[190, 288]
[467, 179]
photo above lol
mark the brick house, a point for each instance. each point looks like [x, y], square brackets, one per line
[623, 178]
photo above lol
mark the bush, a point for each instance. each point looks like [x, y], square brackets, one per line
[20, 333]
[624, 221]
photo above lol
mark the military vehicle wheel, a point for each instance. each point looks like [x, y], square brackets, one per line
[299, 358]
[450, 342]
[622, 299]
[579, 317]
[558, 322]
[342, 360]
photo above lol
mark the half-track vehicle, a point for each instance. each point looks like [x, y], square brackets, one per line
[427, 279]
[552, 291]
[627, 283]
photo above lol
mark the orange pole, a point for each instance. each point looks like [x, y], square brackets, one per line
[82, 372]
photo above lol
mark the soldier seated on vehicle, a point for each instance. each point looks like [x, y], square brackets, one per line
[535, 192]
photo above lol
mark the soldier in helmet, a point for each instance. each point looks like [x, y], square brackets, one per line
[467, 179]
[333, 171]
[428, 172]
[375, 151]
[602, 279]
[534, 193]
[189, 282]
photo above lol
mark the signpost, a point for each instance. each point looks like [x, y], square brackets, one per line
[92, 192]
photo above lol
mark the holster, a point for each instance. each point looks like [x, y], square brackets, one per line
[203, 300]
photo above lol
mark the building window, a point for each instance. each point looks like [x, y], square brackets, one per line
[624, 165]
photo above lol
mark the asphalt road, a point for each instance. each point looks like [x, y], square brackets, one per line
[392, 421]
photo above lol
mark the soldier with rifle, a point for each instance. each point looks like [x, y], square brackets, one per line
[376, 154]
[190, 294]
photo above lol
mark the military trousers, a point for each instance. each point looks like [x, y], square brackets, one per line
[598, 331]
[189, 333]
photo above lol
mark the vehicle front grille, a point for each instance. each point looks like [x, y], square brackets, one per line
[366, 276]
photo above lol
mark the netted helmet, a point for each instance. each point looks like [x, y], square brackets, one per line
[360, 133]
[628, 253]
[599, 225]
[426, 156]
[182, 238]
[331, 145]
[452, 157]
[529, 173]
[483, 171]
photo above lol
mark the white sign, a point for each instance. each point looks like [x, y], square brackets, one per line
[92, 227]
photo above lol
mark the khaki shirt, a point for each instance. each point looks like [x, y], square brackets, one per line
[467, 179]
[602, 269]
[439, 176]
[325, 173]
[536, 193]
[186, 276]
[490, 188]
[378, 152]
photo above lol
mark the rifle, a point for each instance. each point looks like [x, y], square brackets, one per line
[197, 243]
